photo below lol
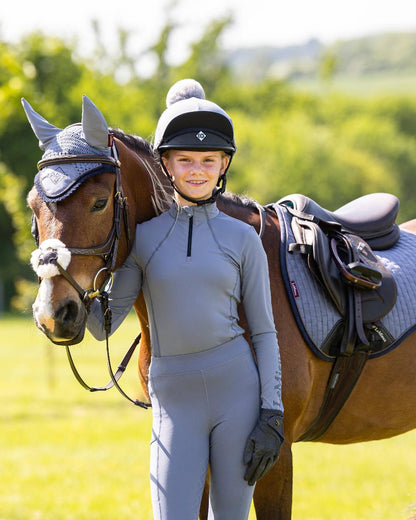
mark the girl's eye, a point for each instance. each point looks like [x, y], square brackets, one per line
[99, 205]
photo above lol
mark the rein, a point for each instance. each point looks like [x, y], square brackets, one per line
[108, 252]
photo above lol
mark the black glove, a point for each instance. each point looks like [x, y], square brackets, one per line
[263, 445]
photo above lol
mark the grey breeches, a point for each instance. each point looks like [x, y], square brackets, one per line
[205, 405]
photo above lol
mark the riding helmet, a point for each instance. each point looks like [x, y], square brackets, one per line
[191, 122]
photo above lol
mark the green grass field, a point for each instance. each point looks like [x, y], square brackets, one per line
[67, 454]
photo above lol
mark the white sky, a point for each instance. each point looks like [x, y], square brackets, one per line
[256, 22]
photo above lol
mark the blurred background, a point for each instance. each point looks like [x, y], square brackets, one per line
[323, 97]
[322, 94]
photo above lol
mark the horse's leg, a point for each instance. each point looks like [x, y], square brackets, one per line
[273, 493]
[144, 351]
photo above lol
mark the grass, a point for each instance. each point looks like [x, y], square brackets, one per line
[67, 454]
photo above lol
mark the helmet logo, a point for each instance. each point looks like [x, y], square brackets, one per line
[200, 135]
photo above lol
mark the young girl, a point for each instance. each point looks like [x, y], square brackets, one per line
[213, 406]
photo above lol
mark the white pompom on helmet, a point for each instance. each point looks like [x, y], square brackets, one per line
[191, 122]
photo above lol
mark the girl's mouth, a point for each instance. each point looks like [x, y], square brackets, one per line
[196, 183]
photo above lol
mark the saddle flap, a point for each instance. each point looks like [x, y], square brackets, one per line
[320, 260]
[378, 301]
[338, 260]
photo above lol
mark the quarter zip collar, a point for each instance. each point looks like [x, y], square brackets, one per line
[199, 213]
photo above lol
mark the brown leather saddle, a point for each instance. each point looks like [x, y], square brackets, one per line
[338, 248]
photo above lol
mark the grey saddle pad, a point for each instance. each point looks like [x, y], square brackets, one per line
[315, 313]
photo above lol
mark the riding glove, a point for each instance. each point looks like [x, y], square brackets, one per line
[263, 445]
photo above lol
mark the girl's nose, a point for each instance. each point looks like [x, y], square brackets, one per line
[196, 167]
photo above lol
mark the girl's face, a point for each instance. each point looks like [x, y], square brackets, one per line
[195, 173]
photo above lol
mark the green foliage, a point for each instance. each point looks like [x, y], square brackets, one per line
[332, 147]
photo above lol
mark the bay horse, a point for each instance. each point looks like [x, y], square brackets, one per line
[383, 401]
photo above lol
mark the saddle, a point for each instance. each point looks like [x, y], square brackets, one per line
[338, 247]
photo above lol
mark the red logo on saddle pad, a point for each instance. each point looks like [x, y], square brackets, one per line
[294, 289]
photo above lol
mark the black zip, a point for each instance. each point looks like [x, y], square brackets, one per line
[191, 225]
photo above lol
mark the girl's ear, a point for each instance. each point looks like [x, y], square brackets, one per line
[225, 162]
[165, 161]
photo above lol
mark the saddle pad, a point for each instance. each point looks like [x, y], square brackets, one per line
[314, 311]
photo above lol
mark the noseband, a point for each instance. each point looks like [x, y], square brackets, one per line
[108, 253]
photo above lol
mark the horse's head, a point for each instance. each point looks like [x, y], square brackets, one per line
[80, 220]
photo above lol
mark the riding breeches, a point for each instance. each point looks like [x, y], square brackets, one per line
[205, 406]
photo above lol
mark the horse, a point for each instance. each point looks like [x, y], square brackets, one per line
[381, 404]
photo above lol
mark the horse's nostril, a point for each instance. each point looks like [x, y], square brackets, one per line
[67, 313]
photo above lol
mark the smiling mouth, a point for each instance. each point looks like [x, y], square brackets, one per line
[196, 183]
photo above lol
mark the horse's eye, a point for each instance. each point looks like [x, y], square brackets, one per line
[99, 205]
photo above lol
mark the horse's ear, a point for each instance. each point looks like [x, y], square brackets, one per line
[43, 130]
[94, 125]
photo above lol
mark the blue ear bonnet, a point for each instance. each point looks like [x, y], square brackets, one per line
[56, 182]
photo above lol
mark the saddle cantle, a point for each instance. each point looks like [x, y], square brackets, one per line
[337, 248]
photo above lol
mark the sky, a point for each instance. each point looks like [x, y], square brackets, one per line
[256, 22]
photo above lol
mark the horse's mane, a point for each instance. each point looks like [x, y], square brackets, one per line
[242, 201]
[162, 195]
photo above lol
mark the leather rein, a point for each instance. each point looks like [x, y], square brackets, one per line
[108, 253]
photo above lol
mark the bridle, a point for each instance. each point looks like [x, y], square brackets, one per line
[108, 253]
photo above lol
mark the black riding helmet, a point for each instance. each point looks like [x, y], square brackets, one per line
[191, 122]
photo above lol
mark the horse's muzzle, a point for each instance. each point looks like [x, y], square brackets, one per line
[66, 326]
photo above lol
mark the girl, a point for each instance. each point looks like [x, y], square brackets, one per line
[213, 406]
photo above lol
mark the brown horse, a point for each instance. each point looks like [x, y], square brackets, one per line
[381, 405]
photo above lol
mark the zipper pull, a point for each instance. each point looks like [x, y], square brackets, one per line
[190, 229]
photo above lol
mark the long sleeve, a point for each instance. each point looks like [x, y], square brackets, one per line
[126, 287]
[256, 298]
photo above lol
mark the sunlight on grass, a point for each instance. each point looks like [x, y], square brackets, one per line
[366, 481]
[67, 454]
